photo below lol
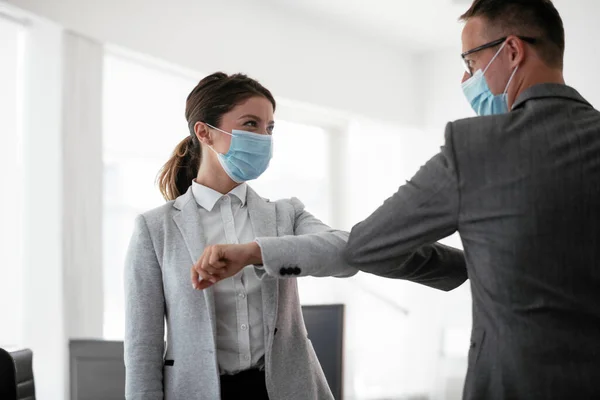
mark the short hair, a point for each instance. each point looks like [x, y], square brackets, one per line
[535, 18]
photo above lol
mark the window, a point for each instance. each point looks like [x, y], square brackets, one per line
[405, 318]
[299, 168]
[12, 43]
[143, 121]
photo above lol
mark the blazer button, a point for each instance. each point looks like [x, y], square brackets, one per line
[275, 333]
[283, 271]
[297, 271]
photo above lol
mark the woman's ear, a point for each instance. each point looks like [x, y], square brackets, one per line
[202, 132]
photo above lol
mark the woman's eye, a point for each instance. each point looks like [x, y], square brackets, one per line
[252, 124]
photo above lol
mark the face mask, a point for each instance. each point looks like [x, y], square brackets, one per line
[248, 156]
[479, 95]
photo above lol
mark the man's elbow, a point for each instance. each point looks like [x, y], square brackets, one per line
[355, 255]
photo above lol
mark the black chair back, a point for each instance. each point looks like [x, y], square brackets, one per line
[8, 376]
[23, 361]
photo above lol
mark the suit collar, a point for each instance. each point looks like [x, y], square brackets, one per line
[182, 200]
[548, 90]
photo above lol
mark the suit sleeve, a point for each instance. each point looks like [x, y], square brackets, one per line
[398, 239]
[314, 250]
[144, 318]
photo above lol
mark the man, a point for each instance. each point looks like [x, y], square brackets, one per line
[522, 188]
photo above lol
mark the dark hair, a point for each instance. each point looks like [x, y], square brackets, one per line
[214, 96]
[534, 18]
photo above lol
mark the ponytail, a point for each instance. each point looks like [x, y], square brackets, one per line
[176, 176]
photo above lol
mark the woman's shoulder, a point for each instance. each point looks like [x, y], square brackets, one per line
[158, 214]
[293, 202]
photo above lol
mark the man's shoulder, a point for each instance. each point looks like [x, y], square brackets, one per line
[481, 130]
[475, 124]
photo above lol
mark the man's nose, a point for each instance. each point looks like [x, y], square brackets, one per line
[465, 77]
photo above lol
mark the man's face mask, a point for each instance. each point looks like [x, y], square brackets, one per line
[479, 95]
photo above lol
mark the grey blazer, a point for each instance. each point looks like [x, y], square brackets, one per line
[165, 244]
[523, 191]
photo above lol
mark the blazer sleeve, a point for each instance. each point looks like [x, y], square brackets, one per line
[315, 249]
[144, 318]
[398, 239]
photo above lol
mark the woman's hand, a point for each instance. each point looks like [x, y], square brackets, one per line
[222, 261]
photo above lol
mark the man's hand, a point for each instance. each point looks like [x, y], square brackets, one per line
[222, 261]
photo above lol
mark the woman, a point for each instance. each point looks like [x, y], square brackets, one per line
[241, 334]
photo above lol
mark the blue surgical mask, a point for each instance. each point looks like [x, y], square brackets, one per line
[248, 156]
[479, 95]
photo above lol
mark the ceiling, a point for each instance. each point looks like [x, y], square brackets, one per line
[416, 25]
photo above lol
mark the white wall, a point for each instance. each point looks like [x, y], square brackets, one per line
[295, 58]
[62, 175]
[11, 188]
[44, 317]
[582, 58]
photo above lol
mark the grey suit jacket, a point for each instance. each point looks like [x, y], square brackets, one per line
[523, 191]
[165, 244]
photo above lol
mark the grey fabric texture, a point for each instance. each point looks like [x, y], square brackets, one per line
[165, 244]
[523, 191]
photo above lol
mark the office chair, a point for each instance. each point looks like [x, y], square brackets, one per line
[23, 360]
[16, 375]
[8, 376]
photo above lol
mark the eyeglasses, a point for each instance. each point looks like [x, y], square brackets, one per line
[487, 46]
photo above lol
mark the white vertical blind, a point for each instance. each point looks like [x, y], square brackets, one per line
[12, 42]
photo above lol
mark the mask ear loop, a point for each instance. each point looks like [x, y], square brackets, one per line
[492, 60]
[472, 79]
[220, 130]
[509, 81]
[511, 78]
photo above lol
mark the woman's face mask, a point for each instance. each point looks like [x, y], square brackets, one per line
[248, 156]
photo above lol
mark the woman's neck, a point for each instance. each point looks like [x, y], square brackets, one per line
[214, 177]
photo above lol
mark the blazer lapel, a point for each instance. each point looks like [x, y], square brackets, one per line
[189, 223]
[263, 217]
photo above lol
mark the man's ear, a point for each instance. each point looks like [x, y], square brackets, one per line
[516, 50]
